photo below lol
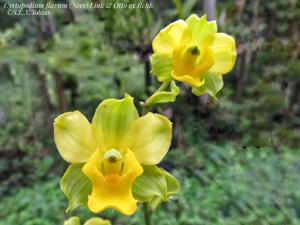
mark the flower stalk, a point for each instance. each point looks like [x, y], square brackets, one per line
[147, 214]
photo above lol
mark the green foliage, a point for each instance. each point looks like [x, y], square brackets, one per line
[39, 205]
[183, 8]
[266, 76]
[219, 185]
[236, 186]
[105, 54]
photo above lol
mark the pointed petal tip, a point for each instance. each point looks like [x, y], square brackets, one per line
[128, 97]
[204, 17]
[194, 15]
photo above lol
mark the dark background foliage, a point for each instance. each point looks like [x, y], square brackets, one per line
[237, 158]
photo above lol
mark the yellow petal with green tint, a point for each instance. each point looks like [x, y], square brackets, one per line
[200, 27]
[213, 83]
[72, 221]
[151, 183]
[161, 66]
[97, 221]
[173, 187]
[76, 186]
[168, 38]
[112, 190]
[155, 185]
[73, 137]
[149, 137]
[224, 52]
[111, 121]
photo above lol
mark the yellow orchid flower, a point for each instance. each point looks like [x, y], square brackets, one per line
[113, 147]
[193, 52]
[93, 221]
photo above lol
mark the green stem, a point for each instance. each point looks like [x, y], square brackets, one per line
[147, 213]
[162, 87]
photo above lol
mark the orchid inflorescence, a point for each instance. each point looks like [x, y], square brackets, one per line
[113, 160]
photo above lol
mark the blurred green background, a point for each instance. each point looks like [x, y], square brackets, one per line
[237, 158]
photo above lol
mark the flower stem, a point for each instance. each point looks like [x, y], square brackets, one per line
[163, 87]
[147, 213]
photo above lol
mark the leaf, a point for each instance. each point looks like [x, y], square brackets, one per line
[155, 185]
[179, 8]
[76, 186]
[212, 85]
[164, 96]
[188, 7]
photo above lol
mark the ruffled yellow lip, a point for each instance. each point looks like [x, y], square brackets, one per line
[190, 62]
[112, 180]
